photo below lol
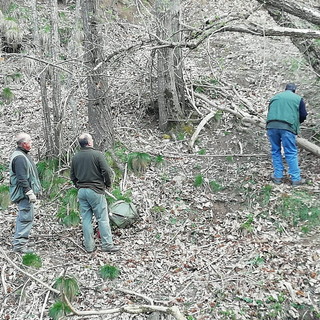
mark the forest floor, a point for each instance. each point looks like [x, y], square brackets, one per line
[215, 237]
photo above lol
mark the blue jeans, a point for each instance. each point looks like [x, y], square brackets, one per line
[24, 223]
[92, 203]
[288, 141]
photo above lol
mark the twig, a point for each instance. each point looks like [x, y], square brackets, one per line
[3, 280]
[137, 294]
[21, 296]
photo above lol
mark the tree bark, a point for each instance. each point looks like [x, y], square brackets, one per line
[171, 99]
[99, 111]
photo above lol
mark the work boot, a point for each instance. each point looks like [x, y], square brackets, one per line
[22, 250]
[298, 183]
[276, 180]
[111, 249]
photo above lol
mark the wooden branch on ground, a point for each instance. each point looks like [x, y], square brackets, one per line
[133, 309]
[301, 142]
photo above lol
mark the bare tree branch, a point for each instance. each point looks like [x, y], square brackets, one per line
[295, 9]
[133, 309]
[275, 31]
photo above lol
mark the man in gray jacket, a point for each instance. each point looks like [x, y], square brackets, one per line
[24, 186]
[91, 175]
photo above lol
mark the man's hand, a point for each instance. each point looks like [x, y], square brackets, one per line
[32, 197]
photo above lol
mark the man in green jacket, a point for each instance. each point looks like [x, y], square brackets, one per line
[91, 175]
[285, 113]
[24, 186]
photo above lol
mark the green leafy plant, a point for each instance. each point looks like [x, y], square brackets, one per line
[215, 186]
[32, 260]
[118, 195]
[4, 196]
[198, 180]
[159, 160]
[202, 151]
[68, 212]
[257, 261]
[139, 161]
[109, 272]
[157, 209]
[7, 95]
[58, 310]
[180, 136]
[68, 286]
[248, 224]
[266, 194]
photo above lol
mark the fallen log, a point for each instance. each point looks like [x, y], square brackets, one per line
[245, 117]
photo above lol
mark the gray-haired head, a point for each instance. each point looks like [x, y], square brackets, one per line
[85, 139]
[22, 137]
[291, 86]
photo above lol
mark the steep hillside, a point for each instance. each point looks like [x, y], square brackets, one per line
[215, 237]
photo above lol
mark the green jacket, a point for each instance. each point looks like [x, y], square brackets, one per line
[284, 107]
[89, 169]
[23, 176]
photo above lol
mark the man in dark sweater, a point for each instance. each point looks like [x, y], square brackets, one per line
[91, 174]
[285, 113]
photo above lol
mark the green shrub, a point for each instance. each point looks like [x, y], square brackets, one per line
[215, 186]
[32, 260]
[7, 95]
[198, 180]
[68, 285]
[248, 224]
[138, 162]
[109, 272]
[59, 310]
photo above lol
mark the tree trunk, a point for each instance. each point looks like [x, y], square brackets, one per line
[46, 113]
[171, 100]
[56, 85]
[99, 110]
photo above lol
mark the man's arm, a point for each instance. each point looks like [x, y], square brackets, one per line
[302, 111]
[105, 170]
[73, 175]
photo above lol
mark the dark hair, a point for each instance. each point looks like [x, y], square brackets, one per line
[291, 86]
[83, 141]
